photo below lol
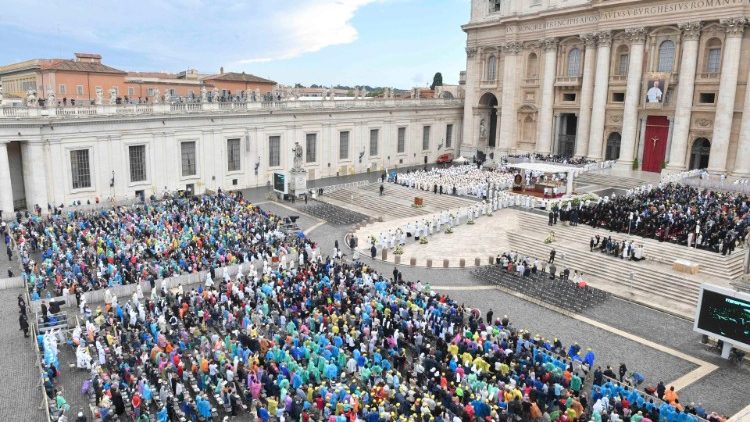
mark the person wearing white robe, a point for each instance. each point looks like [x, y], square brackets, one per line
[83, 358]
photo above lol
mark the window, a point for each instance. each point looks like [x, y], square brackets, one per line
[623, 61]
[707, 98]
[79, 89]
[569, 97]
[666, 56]
[491, 67]
[131, 91]
[374, 142]
[618, 97]
[713, 56]
[310, 141]
[137, 155]
[187, 151]
[150, 92]
[234, 155]
[532, 66]
[401, 147]
[274, 151]
[344, 145]
[79, 168]
[426, 138]
[714, 60]
[574, 63]
[448, 135]
[495, 5]
[62, 89]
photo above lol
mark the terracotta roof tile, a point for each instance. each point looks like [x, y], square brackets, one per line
[238, 77]
[75, 66]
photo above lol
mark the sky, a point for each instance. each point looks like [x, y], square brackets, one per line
[397, 43]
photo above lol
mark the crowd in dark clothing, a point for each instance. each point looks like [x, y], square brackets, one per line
[555, 158]
[715, 221]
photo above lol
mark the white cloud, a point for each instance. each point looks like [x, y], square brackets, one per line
[202, 32]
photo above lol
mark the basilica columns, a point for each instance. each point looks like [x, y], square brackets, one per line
[544, 141]
[35, 175]
[742, 158]
[6, 190]
[596, 134]
[508, 132]
[691, 32]
[637, 38]
[587, 91]
[730, 66]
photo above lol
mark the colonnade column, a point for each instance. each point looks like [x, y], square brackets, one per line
[587, 91]
[35, 175]
[508, 132]
[6, 189]
[637, 38]
[544, 142]
[730, 66]
[691, 32]
[604, 44]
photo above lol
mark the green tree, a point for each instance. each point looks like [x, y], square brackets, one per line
[437, 80]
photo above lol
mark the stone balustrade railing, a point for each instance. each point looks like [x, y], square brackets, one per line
[187, 108]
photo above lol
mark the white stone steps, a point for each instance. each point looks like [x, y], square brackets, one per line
[592, 178]
[665, 252]
[610, 271]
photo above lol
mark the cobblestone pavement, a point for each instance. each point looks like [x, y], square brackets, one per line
[20, 394]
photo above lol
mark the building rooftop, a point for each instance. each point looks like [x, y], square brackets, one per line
[78, 66]
[239, 77]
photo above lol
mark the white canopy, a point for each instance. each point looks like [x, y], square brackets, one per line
[460, 160]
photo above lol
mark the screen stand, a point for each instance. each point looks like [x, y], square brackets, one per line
[726, 348]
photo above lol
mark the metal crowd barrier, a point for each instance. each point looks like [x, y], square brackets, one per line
[334, 188]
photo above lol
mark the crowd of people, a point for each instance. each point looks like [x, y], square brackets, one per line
[624, 249]
[68, 253]
[325, 340]
[463, 180]
[310, 338]
[711, 220]
[554, 158]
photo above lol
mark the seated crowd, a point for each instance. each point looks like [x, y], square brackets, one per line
[75, 252]
[550, 158]
[464, 180]
[308, 339]
[323, 341]
[711, 220]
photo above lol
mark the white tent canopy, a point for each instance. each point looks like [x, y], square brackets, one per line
[461, 160]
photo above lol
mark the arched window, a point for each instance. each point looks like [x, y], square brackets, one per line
[574, 62]
[491, 67]
[713, 56]
[532, 66]
[666, 56]
[623, 60]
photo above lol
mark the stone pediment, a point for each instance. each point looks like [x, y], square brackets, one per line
[528, 108]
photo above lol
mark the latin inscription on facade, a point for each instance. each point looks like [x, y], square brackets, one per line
[633, 12]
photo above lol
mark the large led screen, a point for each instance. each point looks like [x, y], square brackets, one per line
[725, 314]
